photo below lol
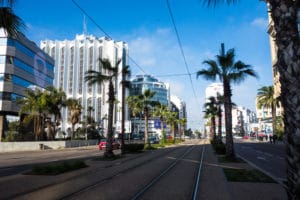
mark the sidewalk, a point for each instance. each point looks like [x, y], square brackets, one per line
[214, 184]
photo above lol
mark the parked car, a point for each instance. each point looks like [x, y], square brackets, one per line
[115, 144]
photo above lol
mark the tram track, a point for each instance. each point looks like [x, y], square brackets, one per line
[152, 180]
[85, 180]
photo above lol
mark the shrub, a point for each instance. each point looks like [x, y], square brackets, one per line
[219, 148]
[133, 148]
[57, 168]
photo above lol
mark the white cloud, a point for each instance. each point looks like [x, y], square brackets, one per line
[260, 22]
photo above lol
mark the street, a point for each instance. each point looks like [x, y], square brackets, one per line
[270, 158]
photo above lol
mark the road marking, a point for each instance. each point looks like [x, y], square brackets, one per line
[261, 158]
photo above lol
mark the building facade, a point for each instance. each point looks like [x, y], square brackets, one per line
[72, 59]
[23, 65]
[213, 90]
[147, 82]
[162, 94]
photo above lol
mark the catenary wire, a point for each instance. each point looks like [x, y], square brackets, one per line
[181, 49]
[105, 33]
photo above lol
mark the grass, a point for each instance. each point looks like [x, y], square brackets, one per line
[246, 175]
[57, 168]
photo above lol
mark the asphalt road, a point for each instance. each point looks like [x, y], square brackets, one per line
[17, 162]
[269, 158]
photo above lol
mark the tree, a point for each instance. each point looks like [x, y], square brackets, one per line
[147, 103]
[266, 99]
[219, 103]
[125, 84]
[161, 112]
[171, 119]
[56, 100]
[135, 106]
[107, 73]
[228, 72]
[33, 107]
[11, 23]
[182, 123]
[211, 113]
[286, 37]
[75, 108]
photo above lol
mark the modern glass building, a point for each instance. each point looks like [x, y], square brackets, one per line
[162, 94]
[147, 82]
[73, 58]
[23, 65]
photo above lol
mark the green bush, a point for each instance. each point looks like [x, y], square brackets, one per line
[57, 168]
[133, 148]
[219, 148]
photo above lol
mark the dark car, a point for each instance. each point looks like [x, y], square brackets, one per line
[103, 143]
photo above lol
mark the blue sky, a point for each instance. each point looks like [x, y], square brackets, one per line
[147, 27]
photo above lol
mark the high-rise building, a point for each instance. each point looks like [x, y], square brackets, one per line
[23, 65]
[147, 82]
[72, 59]
[162, 94]
[179, 106]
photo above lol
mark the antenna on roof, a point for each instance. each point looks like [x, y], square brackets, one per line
[84, 26]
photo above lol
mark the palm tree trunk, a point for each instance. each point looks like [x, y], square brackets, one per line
[213, 125]
[146, 127]
[123, 116]
[228, 120]
[219, 138]
[284, 15]
[274, 121]
[111, 98]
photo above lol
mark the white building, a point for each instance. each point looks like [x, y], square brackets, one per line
[72, 59]
[213, 90]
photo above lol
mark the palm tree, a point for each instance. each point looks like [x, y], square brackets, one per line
[125, 84]
[286, 37]
[161, 111]
[265, 98]
[75, 108]
[33, 105]
[147, 103]
[10, 22]
[228, 72]
[211, 113]
[135, 106]
[219, 103]
[108, 74]
[56, 100]
[171, 119]
[182, 123]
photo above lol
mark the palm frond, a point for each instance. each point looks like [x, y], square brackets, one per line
[11, 23]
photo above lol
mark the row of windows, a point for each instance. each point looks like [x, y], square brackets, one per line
[18, 80]
[8, 96]
[18, 63]
[22, 48]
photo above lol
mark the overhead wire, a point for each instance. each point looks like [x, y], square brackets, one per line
[181, 49]
[105, 33]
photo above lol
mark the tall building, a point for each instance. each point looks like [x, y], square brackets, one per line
[162, 94]
[179, 106]
[23, 65]
[72, 59]
[147, 82]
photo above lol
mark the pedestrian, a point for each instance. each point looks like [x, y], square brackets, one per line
[271, 139]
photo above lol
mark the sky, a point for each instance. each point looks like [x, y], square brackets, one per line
[147, 27]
